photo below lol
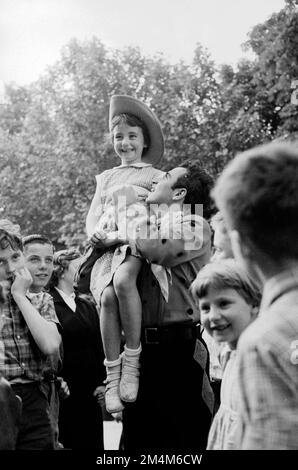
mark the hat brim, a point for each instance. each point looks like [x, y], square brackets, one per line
[121, 104]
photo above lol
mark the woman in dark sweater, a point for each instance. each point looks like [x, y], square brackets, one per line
[80, 418]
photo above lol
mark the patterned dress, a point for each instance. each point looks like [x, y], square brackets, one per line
[139, 175]
[225, 425]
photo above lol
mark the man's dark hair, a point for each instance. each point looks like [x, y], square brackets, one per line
[198, 183]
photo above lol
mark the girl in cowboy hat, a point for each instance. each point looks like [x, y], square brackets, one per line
[138, 141]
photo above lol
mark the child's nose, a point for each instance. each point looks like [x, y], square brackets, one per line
[125, 142]
[10, 267]
[214, 313]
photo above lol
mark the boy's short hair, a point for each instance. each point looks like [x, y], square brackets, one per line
[36, 238]
[10, 235]
[226, 274]
[133, 121]
[258, 196]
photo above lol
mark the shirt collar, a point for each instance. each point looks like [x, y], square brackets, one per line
[32, 295]
[278, 285]
[69, 299]
[63, 294]
[136, 165]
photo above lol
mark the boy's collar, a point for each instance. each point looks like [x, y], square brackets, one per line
[278, 285]
[31, 295]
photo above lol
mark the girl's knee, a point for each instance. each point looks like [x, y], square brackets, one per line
[125, 278]
[124, 283]
[108, 297]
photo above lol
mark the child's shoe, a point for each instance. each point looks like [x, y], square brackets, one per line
[112, 398]
[129, 383]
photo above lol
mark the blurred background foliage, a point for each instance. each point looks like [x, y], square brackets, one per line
[53, 133]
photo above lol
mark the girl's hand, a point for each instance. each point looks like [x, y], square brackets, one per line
[21, 283]
[110, 239]
[98, 237]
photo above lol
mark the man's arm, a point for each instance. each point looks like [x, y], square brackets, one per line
[44, 332]
[176, 243]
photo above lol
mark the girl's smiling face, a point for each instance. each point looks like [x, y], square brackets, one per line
[128, 143]
[225, 314]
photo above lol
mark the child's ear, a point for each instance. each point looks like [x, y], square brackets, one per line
[255, 311]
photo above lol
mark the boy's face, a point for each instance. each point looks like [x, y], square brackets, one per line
[11, 260]
[225, 314]
[39, 261]
[128, 143]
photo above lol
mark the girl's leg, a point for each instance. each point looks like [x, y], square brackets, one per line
[130, 308]
[110, 324]
[111, 336]
[130, 305]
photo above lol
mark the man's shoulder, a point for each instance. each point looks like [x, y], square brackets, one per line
[273, 331]
[252, 336]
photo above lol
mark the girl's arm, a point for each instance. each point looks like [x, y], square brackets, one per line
[44, 332]
[94, 213]
[96, 208]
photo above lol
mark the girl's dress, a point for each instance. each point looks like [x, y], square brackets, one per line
[224, 428]
[139, 175]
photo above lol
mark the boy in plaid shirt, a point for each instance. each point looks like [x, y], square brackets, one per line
[27, 337]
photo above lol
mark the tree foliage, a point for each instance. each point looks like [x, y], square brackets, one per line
[53, 133]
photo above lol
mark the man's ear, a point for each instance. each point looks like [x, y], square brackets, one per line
[255, 311]
[240, 250]
[179, 193]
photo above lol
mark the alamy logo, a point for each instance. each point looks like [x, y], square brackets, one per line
[158, 221]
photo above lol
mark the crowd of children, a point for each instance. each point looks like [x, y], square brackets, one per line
[225, 325]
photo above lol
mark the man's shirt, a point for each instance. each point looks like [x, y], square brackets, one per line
[268, 369]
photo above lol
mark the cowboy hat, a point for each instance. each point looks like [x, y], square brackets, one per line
[124, 104]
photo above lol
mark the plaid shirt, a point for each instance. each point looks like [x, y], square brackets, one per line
[20, 358]
[268, 370]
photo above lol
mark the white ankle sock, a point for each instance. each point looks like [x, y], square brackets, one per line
[116, 362]
[132, 352]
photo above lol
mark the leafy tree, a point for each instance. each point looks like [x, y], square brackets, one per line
[54, 133]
